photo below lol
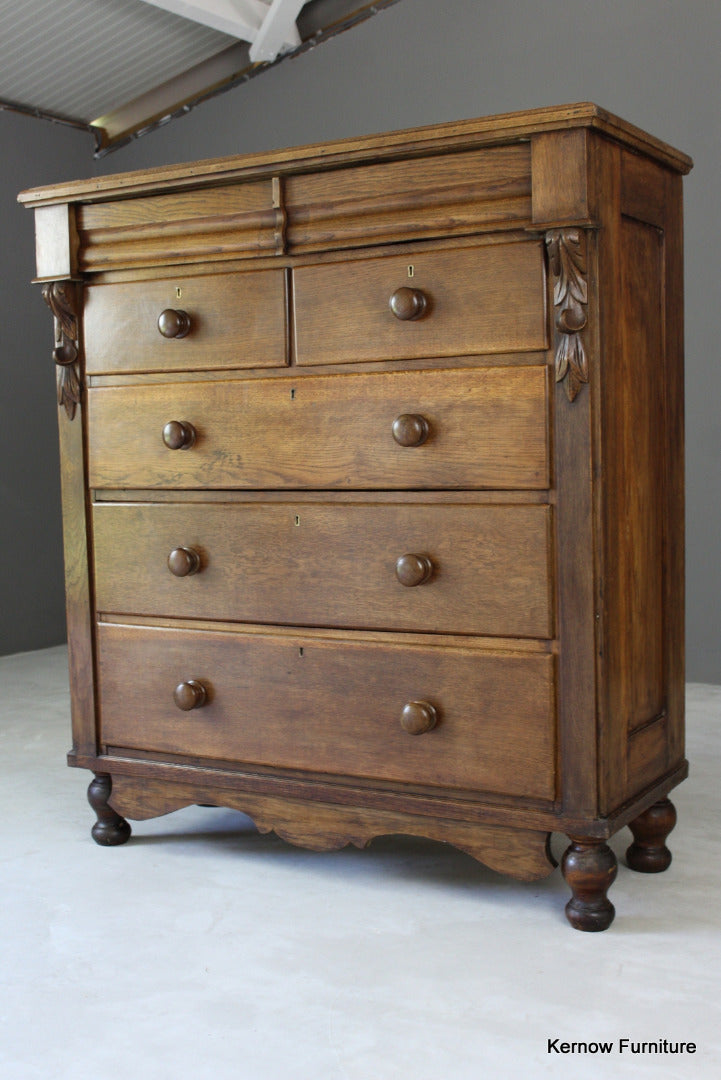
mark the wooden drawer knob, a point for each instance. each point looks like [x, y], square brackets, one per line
[178, 435]
[190, 695]
[417, 717]
[413, 569]
[410, 429]
[173, 324]
[407, 304]
[183, 561]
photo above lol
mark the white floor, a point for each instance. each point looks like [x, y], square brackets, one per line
[204, 950]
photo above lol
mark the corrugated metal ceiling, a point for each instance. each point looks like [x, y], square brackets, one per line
[80, 59]
[121, 67]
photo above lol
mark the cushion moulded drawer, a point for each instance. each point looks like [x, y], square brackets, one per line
[303, 702]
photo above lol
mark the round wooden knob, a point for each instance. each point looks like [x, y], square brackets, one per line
[183, 561]
[410, 429]
[407, 304]
[413, 569]
[173, 324]
[417, 717]
[178, 435]
[190, 695]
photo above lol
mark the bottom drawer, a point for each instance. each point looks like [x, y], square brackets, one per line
[334, 706]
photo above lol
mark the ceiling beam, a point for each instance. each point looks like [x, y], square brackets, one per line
[240, 19]
[278, 32]
[231, 67]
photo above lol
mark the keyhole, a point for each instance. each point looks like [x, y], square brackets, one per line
[178, 292]
[292, 394]
[411, 271]
[300, 651]
[297, 519]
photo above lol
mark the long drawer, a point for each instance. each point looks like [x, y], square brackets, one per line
[459, 428]
[470, 569]
[346, 707]
[447, 303]
[223, 320]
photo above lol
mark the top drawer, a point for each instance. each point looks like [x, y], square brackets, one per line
[229, 222]
[447, 194]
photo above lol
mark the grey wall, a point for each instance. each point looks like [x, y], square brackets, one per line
[654, 62]
[32, 606]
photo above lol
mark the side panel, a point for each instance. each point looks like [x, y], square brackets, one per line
[641, 434]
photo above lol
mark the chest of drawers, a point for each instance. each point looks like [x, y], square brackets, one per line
[372, 486]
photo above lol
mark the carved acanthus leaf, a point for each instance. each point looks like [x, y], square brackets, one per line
[62, 299]
[567, 263]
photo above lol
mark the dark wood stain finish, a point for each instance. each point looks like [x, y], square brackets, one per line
[373, 489]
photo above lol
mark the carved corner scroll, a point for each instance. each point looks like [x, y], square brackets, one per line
[567, 262]
[62, 299]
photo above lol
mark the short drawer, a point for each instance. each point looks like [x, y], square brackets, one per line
[469, 569]
[468, 429]
[233, 321]
[342, 707]
[469, 301]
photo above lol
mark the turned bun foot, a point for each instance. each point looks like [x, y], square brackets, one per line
[648, 853]
[110, 829]
[589, 868]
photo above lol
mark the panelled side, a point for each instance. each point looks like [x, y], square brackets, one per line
[641, 504]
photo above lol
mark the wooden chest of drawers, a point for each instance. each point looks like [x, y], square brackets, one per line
[372, 483]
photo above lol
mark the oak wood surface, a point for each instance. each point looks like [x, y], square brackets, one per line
[233, 221]
[447, 195]
[416, 799]
[78, 585]
[334, 707]
[330, 564]
[523, 853]
[423, 141]
[642, 510]
[236, 321]
[488, 429]
[56, 243]
[488, 299]
[306, 609]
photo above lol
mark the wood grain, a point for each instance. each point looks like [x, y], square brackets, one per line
[447, 195]
[383, 579]
[479, 300]
[78, 603]
[415, 142]
[523, 853]
[488, 429]
[232, 221]
[56, 243]
[334, 707]
[236, 321]
[330, 564]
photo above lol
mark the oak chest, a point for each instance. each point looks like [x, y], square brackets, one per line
[372, 483]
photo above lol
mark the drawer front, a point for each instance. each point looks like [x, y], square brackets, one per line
[235, 321]
[471, 301]
[445, 195]
[485, 428]
[333, 706]
[225, 222]
[459, 569]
